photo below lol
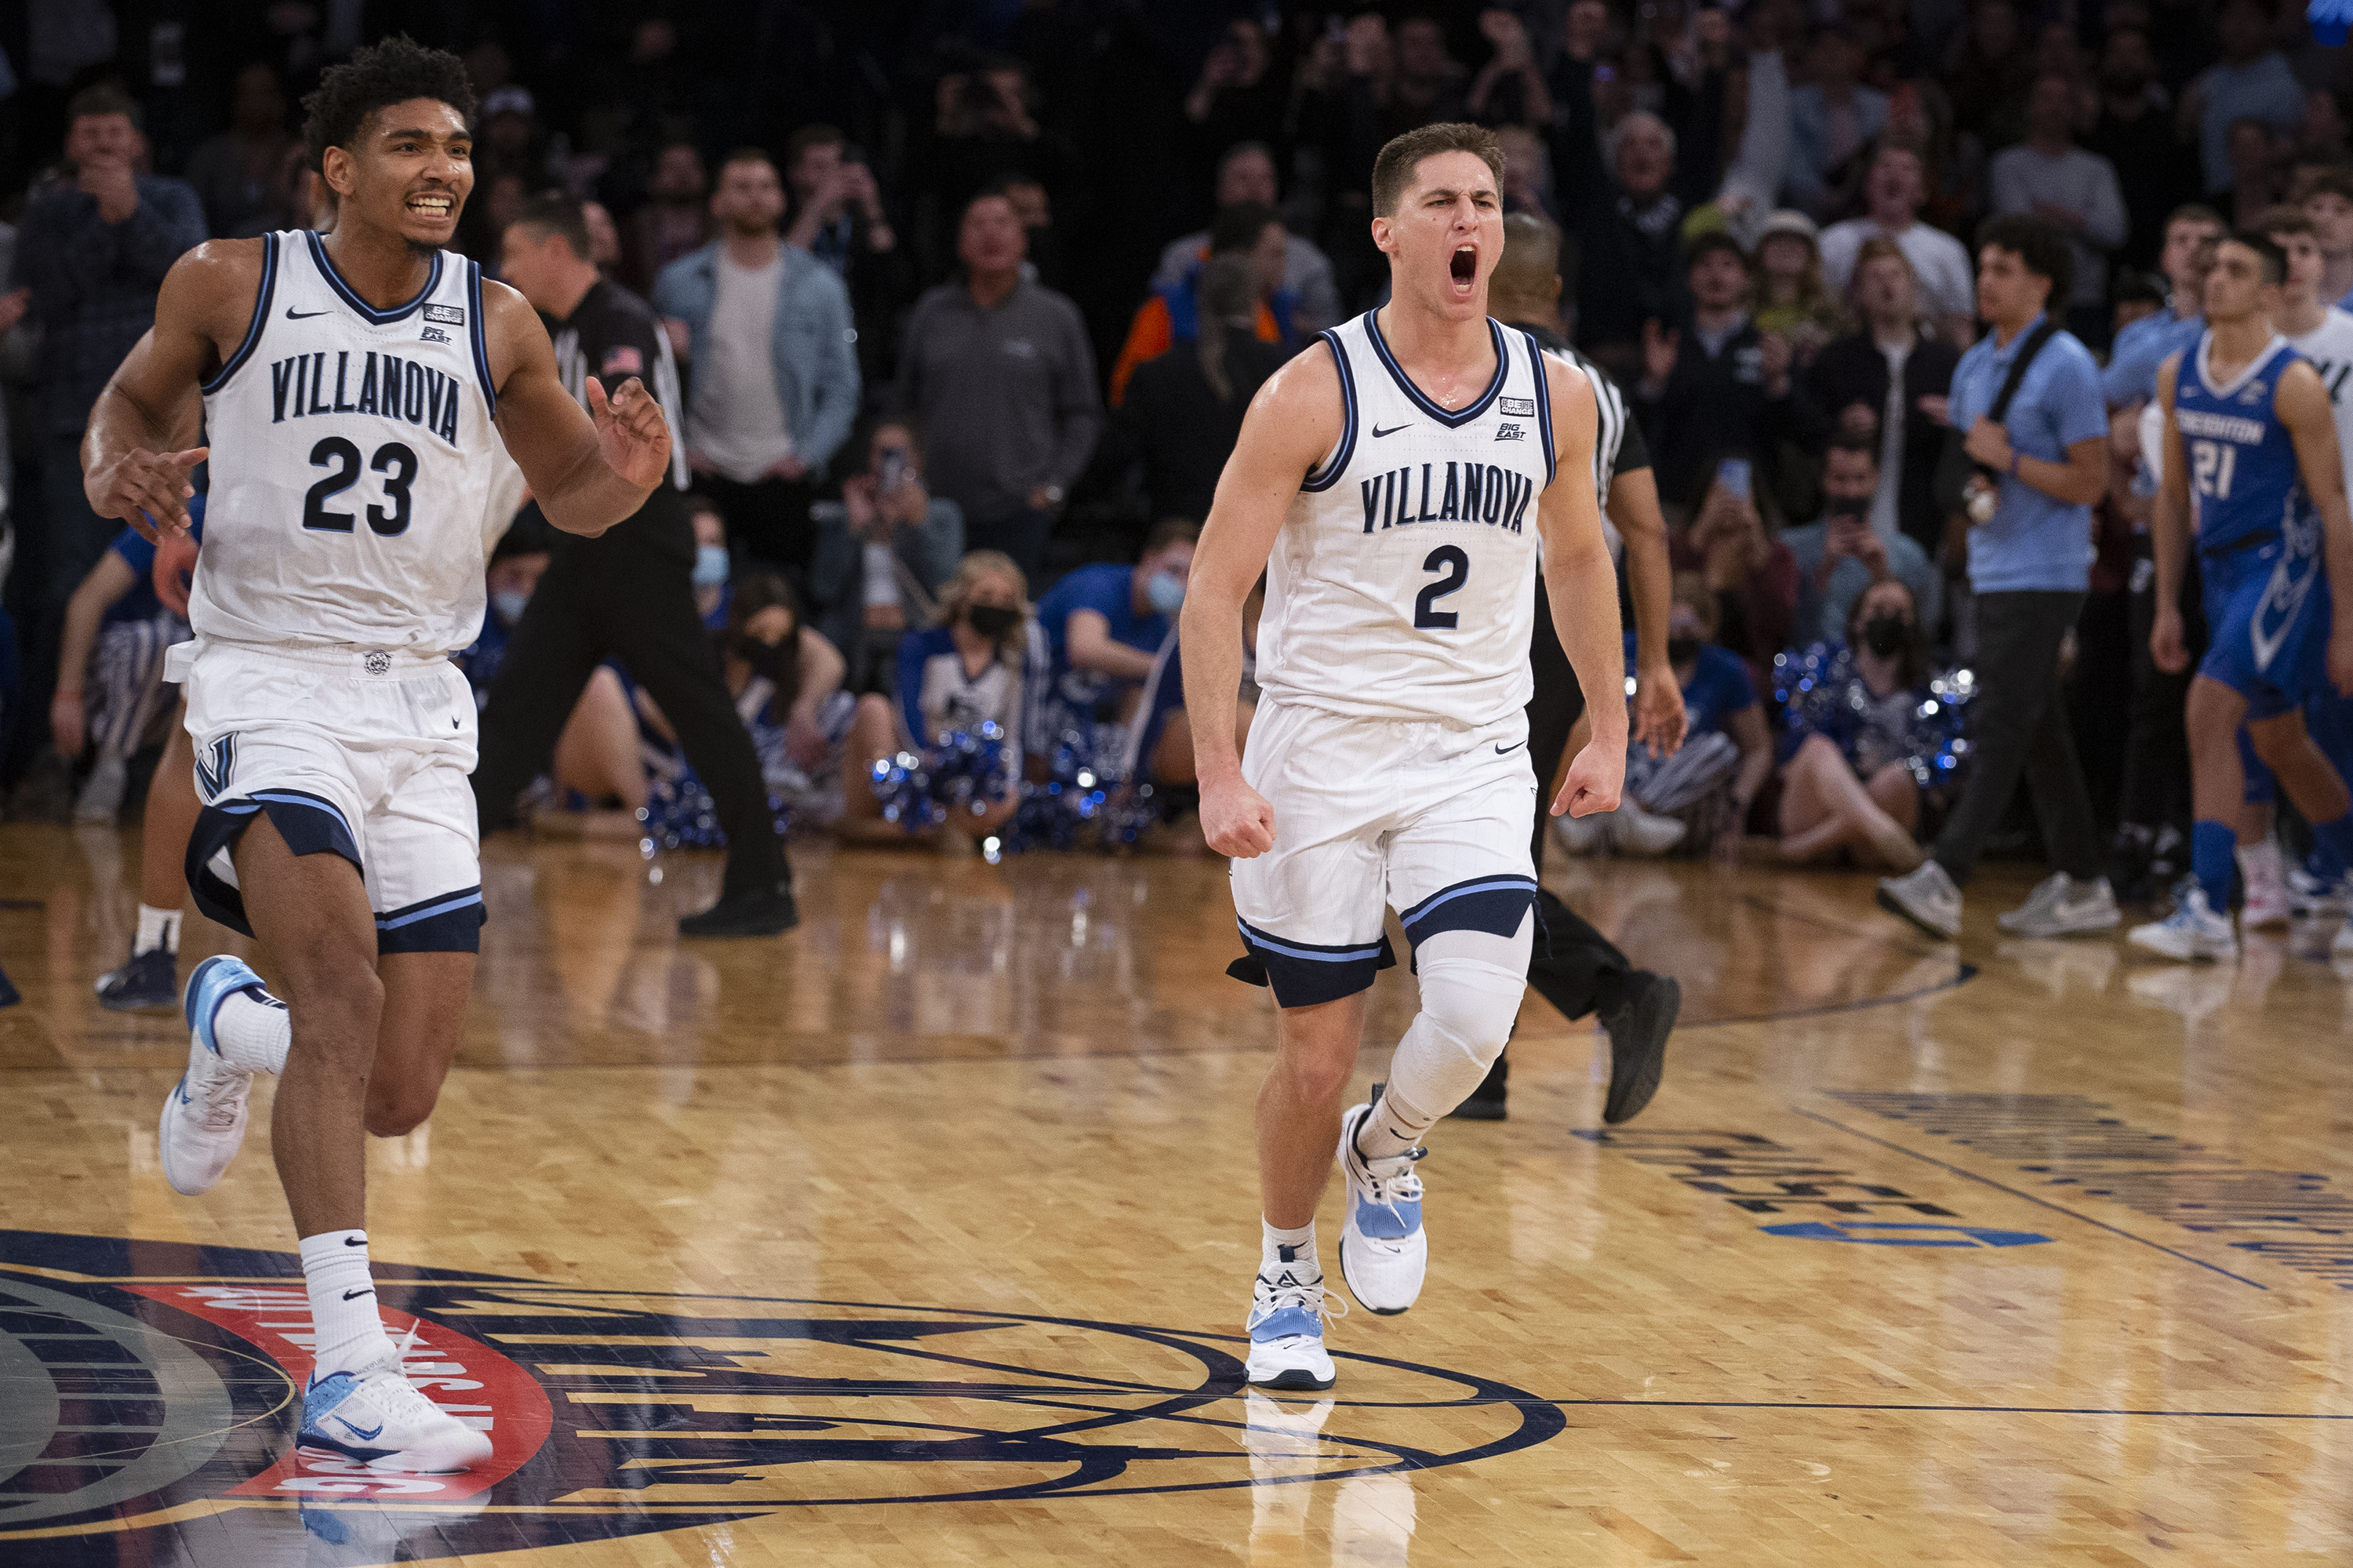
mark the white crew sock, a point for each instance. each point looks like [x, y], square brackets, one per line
[1272, 1239]
[254, 1031]
[2260, 860]
[347, 1332]
[157, 928]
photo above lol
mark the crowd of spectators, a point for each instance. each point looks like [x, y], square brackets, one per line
[967, 301]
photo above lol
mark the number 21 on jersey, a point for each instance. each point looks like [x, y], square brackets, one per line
[2211, 464]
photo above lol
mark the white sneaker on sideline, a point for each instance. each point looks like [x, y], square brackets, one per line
[1926, 898]
[2061, 906]
[1581, 835]
[2194, 931]
[1384, 1252]
[2310, 895]
[2267, 904]
[1635, 832]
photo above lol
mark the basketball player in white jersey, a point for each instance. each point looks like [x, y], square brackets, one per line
[1393, 482]
[354, 390]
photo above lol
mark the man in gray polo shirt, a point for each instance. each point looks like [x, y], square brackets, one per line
[998, 374]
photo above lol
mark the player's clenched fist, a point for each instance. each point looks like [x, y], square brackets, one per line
[1237, 820]
[1594, 781]
[149, 491]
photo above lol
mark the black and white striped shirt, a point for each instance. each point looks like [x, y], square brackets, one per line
[1617, 444]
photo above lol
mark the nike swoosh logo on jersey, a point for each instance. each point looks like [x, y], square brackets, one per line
[294, 315]
[1506, 750]
[1393, 430]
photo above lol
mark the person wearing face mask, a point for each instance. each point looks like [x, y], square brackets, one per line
[1700, 794]
[1106, 622]
[714, 567]
[627, 594]
[1841, 555]
[517, 563]
[977, 666]
[785, 678]
[1869, 749]
[883, 552]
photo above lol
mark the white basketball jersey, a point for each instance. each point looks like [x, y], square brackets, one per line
[353, 455]
[1403, 583]
[2330, 346]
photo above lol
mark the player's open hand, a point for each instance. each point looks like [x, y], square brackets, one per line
[1237, 820]
[2165, 649]
[631, 431]
[1593, 780]
[149, 491]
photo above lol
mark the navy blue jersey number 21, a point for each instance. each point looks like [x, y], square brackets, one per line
[1452, 560]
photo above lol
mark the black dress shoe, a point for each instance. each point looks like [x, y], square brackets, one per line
[1486, 1101]
[1637, 1028]
[763, 912]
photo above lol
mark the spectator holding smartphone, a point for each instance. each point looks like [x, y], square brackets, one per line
[883, 551]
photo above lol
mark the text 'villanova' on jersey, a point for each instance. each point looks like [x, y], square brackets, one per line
[1402, 584]
[352, 454]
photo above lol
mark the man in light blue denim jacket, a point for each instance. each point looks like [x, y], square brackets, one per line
[774, 362]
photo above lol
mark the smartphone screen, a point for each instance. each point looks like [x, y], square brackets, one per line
[1732, 474]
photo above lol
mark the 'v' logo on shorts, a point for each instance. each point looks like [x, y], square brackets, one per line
[212, 767]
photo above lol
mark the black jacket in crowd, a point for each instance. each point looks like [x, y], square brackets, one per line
[1715, 408]
[1853, 370]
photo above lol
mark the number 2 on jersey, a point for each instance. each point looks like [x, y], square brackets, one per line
[1452, 560]
[2211, 464]
[394, 460]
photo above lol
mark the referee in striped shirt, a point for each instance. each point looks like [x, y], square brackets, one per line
[1575, 967]
[627, 593]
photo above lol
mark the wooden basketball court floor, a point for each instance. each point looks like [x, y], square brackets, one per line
[924, 1234]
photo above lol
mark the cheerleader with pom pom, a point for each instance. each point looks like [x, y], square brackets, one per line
[943, 766]
[1874, 743]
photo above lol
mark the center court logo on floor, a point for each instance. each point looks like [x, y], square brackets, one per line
[151, 1389]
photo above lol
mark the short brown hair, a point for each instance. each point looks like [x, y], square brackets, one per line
[1883, 250]
[809, 136]
[2335, 179]
[104, 98]
[555, 213]
[1393, 170]
[1170, 531]
[2282, 218]
[2194, 212]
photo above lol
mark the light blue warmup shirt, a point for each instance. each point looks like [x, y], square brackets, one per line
[2141, 349]
[2035, 544]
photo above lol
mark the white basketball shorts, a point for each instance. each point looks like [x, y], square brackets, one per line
[360, 753]
[1432, 818]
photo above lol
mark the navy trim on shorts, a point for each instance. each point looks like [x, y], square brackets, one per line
[1303, 974]
[260, 315]
[446, 923]
[1495, 904]
[309, 823]
[1329, 474]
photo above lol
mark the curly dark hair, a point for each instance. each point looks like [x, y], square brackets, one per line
[392, 71]
[2046, 252]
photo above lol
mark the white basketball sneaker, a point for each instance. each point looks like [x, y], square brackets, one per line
[1286, 1326]
[2193, 931]
[204, 1115]
[1383, 1250]
[376, 1418]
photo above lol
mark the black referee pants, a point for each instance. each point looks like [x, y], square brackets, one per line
[637, 607]
[1574, 966]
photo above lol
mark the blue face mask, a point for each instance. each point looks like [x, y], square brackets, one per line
[710, 566]
[510, 606]
[1164, 593]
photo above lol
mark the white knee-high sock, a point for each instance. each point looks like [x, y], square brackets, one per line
[157, 928]
[254, 1031]
[1471, 984]
[346, 1331]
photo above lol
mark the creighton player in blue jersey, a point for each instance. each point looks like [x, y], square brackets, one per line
[356, 388]
[2251, 454]
[1393, 482]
